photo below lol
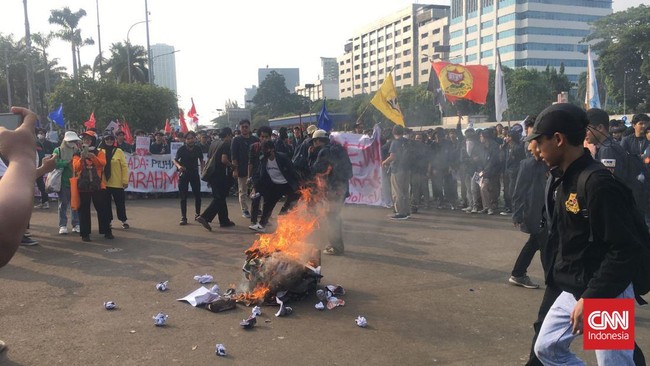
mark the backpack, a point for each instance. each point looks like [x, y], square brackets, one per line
[89, 180]
[341, 164]
[641, 281]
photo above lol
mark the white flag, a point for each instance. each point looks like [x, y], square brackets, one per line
[500, 95]
[591, 98]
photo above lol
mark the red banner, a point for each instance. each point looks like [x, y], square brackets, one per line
[463, 82]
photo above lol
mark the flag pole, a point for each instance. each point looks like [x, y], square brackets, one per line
[362, 113]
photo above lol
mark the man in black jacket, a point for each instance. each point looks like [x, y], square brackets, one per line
[491, 172]
[594, 255]
[274, 178]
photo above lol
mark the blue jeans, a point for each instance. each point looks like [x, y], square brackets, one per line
[555, 337]
[64, 203]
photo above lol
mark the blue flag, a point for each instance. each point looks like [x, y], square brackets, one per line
[57, 116]
[324, 118]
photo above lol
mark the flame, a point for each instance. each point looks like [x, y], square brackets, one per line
[293, 228]
[254, 297]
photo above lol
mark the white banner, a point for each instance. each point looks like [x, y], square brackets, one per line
[365, 155]
[154, 174]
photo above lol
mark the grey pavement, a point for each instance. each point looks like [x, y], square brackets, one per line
[433, 288]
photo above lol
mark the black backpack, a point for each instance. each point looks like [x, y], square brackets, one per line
[89, 180]
[641, 281]
[341, 164]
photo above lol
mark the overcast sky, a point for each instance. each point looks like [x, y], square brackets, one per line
[221, 43]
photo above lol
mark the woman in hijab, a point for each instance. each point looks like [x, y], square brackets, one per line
[116, 178]
[64, 153]
[88, 161]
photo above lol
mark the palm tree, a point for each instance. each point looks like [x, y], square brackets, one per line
[80, 42]
[69, 21]
[117, 67]
[44, 41]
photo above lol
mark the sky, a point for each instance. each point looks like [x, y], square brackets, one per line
[221, 43]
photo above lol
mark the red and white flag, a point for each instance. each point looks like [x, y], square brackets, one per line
[181, 118]
[90, 123]
[193, 115]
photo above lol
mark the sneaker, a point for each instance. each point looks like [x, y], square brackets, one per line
[490, 211]
[399, 217]
[246, 214]
[85, 238]
[505, 213]
[204, 223]
[40, 205]
[109, 236]
[3, 346]
[125, 225]
[332, 251]
[474, 210]
[523, 281]
[183, 221]
[227, 224]
[27, 234]
[63, 230]
[45, 206]
[76, 229]
[257, 227]
[28, 242]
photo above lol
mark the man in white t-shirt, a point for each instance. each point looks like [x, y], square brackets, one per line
[274, 178]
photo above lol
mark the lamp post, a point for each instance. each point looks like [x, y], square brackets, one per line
[128, 50]
[150, 60]
[624, 94]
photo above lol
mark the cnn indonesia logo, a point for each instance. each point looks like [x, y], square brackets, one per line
[608, 324]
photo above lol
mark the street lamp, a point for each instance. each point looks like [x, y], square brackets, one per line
[128, 51]
[624, 82]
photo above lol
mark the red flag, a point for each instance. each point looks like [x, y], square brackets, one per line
[182, 121]
[463, 82]
[192, 114]
[168, 128]
[124, 127]
[90, 123]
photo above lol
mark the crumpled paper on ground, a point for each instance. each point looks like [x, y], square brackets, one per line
[162, 286]
[284, 310]
[160, 319]
[109, 305]
[206, 278]
[220, 350]
[257, 311]
[361, 321]
[248, 323]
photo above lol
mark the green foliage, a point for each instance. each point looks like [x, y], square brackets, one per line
[142, 105]
[623, 47]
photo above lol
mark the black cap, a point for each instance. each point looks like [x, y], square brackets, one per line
[564, 118]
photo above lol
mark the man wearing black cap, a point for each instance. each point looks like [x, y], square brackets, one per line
[121, 143]
[603, 267]
[159, 146]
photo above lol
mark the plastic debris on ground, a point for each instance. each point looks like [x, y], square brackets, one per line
[336, 290]
[257, 311]
[160, 319]
[221, 304]
[361, 321]
[220, 350]
[206, 278]
[162, 286]
[215, 289]
[109, 305]
[320, 306]
[333, 302]
[248, 323]
[284, 310]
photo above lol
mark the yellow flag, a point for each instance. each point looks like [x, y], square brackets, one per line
[385, 100]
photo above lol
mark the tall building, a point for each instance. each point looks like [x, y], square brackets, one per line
[527, 33]
[393, 43]
[249, 94]
[164, 66]
[330, 68]
[291, 76]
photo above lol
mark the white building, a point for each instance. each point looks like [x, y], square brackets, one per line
[527, 33]
[164, 66]
[395, 42]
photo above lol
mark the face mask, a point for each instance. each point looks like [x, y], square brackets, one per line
[71, 145]
[41, 136]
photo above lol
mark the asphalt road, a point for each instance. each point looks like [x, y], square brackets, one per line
[433, 289]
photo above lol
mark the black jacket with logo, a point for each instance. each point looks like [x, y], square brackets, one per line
[594, 256]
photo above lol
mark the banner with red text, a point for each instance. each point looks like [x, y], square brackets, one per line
[365, 155]
[154, 174]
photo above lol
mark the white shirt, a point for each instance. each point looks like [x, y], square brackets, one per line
[274, 172]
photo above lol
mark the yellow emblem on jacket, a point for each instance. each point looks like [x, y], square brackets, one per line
[572, 203]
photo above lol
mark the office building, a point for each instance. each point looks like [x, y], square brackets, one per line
[330, 68]
[164, 66]
[393, 43]
[327, 86]
[527, 33]
[291, 76]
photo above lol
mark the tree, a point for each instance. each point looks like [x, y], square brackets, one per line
[272, 98]
[69, 21]
[117, 66]
[623, 45]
